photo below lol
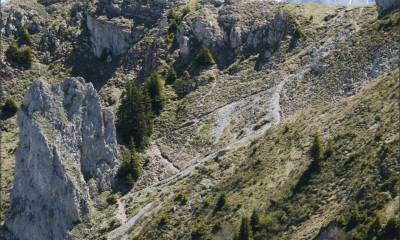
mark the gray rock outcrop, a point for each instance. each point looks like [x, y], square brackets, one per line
[108, 38]
[386, 6]
[233, 27]
[67, 154]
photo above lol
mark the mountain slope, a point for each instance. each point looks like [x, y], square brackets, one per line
[236, 131]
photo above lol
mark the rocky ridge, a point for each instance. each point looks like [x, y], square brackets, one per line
[67, 154]
[274, 61]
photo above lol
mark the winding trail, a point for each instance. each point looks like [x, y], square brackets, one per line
[274, 114]
[128, 226]
[155, 151]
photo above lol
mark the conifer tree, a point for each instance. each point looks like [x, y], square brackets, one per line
[135, 116]
[154, 88]
[317, 150]
[130, 168]
[171, 75]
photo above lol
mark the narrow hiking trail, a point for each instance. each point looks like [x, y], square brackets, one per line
[274, 118]
[253, 132]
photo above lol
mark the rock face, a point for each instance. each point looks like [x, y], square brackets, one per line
[107, 38]
[145, 12]
[231, 28]
[385, 6]
[67, 154]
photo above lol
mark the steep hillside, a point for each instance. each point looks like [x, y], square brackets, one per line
[278, 121]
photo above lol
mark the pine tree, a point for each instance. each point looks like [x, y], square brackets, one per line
[130, 169]
[245, 229]
[316, 150]
[135, 116]
[171, 75]
[154, 88]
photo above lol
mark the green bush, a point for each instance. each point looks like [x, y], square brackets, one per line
[111, 199]
[19, 55]
[135, 116]
[216, 227]
[181, 199]
[298, 33]
[9, 108]
[154, 88]
[25, 37]
[204, 57]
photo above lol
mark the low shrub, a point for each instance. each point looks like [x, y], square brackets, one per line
[25, 37]
[19, 55]
[181, 199]
[204, 57]
[111, 199]
[9, 108]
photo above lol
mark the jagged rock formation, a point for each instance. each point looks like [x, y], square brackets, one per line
[385, 6]
[232, 28]
[67, 152]
[17, 17]
[242, 129]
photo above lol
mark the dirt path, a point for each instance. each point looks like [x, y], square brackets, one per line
[128, 226]
[274, 114]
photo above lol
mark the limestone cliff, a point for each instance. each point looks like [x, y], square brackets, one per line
[67, 152]
[107, 38]
[231, 29]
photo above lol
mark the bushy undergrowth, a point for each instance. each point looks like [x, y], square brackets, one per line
[19, 55]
